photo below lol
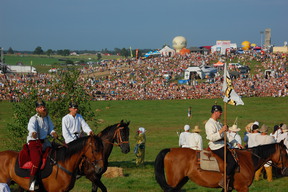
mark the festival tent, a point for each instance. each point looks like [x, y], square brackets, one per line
[167, 51]
[218, 64]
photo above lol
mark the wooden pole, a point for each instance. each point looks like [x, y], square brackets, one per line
[225, 148]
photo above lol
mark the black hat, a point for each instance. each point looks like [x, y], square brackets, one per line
[216, 108]
[39, 103]
[73, 105]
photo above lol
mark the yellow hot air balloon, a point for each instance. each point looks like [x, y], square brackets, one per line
[246, 45]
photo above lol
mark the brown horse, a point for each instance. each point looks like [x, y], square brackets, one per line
[114, 135]
[66, 162]
[181, 164]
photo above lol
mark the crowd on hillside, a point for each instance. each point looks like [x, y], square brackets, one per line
[145, 79]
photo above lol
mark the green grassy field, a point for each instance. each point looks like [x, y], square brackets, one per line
[163, 119]
[43, 63]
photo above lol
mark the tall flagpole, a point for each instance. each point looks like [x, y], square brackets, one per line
[225, 148]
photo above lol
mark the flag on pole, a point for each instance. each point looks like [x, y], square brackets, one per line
[230, 96]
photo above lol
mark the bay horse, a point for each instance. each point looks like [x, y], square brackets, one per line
[181, 164]
[113, 135]
[65, 165]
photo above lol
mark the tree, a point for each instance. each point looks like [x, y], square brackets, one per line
[49, 52]
[38, 51]
[64, 90]
[10, 51]
[124, 52]
[99, 56]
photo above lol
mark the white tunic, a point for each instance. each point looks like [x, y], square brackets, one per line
[191, 140]
[40, 125]
[72, 125]
[234, 139]
[216, 141]
[4, 187]
[252, 140]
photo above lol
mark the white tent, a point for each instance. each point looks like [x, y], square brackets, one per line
[167, 51]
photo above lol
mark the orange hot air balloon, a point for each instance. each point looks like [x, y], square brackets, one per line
[184, 51]
[246, 45]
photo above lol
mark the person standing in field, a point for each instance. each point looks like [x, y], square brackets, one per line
[140, 146]
[264, 139]
[72, 124]
[191, 140]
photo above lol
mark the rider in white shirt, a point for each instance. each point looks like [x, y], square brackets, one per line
[72, 123]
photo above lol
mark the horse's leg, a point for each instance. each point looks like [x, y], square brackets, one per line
[98, 183]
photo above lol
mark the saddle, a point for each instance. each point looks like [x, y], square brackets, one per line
[210, 162]
[23, 163]
[207, 161]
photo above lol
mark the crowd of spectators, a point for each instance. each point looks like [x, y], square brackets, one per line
[156, 79]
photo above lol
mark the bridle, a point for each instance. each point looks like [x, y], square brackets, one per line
[92, 146]
[117, 137]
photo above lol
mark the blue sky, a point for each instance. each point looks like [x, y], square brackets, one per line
[100, 24]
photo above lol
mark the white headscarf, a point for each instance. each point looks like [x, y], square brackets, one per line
[142, 130]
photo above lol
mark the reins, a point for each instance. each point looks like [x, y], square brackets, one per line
[273, 164]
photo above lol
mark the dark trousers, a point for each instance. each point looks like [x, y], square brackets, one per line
[35, 150]
[231, 163]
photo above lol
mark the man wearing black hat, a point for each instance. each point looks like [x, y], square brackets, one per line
[39, 127]
[72, 123]
[215, 134]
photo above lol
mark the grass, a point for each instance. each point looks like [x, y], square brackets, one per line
[163, 119]
[43, 63]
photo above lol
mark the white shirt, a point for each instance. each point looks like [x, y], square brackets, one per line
[191, 140]
[40, 125]
[216, 141]
[282, 136]
[234, 139]
[4, 187]
[276, 134]
[252, 140]
[72, 125]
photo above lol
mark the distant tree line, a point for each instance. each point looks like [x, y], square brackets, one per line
[125, 52]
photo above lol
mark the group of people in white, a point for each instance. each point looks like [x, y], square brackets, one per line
[254, 136]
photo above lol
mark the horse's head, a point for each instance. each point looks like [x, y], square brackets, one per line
[280, 158]
[93, 156]
[122, 136]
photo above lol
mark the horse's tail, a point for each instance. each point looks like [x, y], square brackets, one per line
[159, 171]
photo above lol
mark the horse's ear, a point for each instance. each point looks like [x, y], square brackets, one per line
[121, 121]
[128, 123]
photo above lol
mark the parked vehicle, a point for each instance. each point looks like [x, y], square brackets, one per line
[21, 69]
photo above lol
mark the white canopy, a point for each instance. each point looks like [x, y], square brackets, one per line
[167, 51]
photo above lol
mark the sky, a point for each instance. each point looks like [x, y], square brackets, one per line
[149, 24]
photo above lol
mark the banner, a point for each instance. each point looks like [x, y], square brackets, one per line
[230, 96]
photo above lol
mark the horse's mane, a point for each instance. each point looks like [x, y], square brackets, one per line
[263, 151]
[107, 130]
[74, 147]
